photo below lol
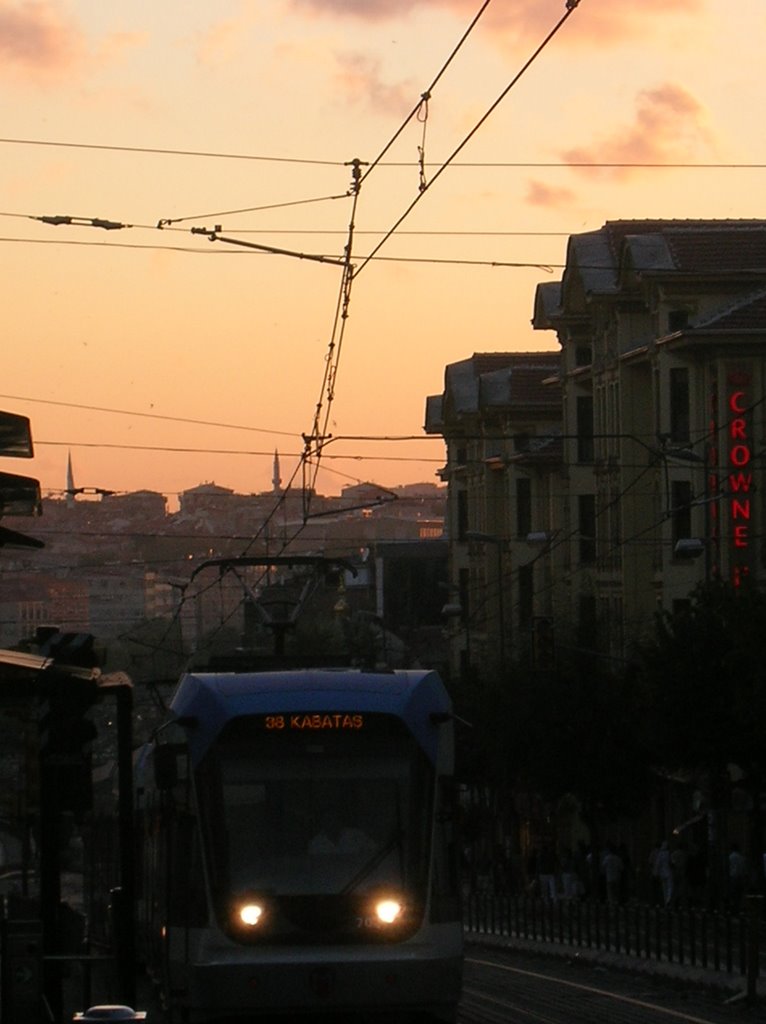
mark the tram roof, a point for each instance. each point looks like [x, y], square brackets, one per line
[214, 698]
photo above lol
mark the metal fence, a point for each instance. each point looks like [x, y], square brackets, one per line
[691, 937]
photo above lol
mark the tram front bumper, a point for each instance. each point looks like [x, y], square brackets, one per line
[324, 980]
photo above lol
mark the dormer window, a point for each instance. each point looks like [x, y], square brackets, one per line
[679, 404]
[678, 319]
[583, 355]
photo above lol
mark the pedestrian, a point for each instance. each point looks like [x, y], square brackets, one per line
[570, 882]
[737, 878]
[612, 868]
[546, 873]
[679, 860]
[626, 882]
[696, 874]
[664, 872]
[655, 887]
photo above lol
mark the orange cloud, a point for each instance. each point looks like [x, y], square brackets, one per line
[221, 43]
[540, 194]
[525, 21]
[36, 41]
[669, 127]
[529, 21]
[368, 10]
[359, 76]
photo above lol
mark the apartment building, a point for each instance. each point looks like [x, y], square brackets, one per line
[655, 483]
[500, 416]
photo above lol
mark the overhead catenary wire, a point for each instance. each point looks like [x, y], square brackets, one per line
[244, 452]
[314, 441]
[313, 450]
[547, 267]
[490, 591]
[317, 438]
[570, 8]
[407, 164]
[140, 414]
[271, 250]
[166, 222]
[326, 455]
[426, 96]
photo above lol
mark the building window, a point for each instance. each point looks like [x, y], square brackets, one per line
[585, 428]
[679, 404]
[526, 594]
[678, 319]
[583, 355]
[586, 524]
[681, 509]
[462, 514]
[523, 506]
[464, 588]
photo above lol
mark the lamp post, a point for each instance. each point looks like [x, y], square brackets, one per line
[454, 612]
[497, 542]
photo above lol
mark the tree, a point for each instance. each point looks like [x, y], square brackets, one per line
[589, 744]
[573, 733]
[704, 670]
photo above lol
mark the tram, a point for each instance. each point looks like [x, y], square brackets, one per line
[298, 848]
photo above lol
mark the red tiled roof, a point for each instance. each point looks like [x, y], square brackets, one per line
[749, 314]
[488, 362]
[724, 250]
[700, 245]
[527, 386]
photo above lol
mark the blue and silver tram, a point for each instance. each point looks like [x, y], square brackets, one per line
[298, 847]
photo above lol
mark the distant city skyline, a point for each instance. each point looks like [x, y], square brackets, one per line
[72, 490]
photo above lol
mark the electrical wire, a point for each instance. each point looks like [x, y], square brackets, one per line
[314, 441]
[146, 415]
[571, 7]
[426, 96]
[270, 250]
[409, 165]
[168, 221]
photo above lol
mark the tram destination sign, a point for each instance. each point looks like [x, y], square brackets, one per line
[314, 721]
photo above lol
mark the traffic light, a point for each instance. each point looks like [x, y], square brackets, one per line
[66, 737]
[75, 649]
[68, 689]
[19, 495]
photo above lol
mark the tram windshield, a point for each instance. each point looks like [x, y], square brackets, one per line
[316, 811]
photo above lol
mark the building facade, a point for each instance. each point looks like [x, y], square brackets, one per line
[500, 416]
[643, 475]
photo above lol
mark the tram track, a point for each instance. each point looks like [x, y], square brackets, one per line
[497, 991]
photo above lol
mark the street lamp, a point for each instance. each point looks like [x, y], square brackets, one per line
[538, 538]
[689, 547]
[498, 542]
[454, 612]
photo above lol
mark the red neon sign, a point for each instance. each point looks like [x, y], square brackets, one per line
[739, 456]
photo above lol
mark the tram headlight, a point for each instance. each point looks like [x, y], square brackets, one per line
[249, 913]
[388, 910]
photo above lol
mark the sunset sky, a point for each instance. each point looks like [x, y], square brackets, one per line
[162, 359]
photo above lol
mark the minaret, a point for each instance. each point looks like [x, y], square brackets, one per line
[69, 482]
[276, 479]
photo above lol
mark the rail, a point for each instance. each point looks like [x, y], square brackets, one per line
[722, 943]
